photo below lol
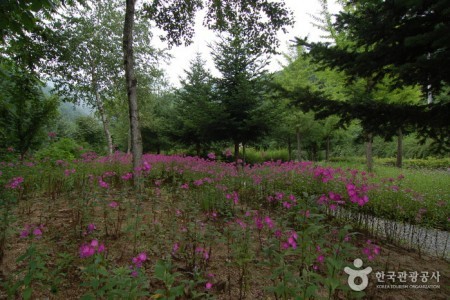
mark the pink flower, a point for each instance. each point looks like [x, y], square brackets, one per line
[127, 176]
[175, 248]
[286, 204]
[86, 251]
[102, 184]
[91, 227]
[138, 260]
[101, 248]
[15, 183]
[208, 285]
[37, 232]
[269, 222]
[142, 256]
[321, 258]
[94, 243]
[24, 233]
[146, 167]
[113, 204]
[212, 156]
[258, 222]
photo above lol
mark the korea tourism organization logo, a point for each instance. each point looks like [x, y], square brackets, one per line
[358, 279]
[353, 274]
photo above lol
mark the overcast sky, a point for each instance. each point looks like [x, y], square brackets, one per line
[203, 37]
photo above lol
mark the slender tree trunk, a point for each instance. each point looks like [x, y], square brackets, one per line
[399, 161]
[105, 121]
[131, 83]
[314, 152]
[289, 148]
[236, 151]
[299, 148]
[243, 153]
[327, 149]
[129, 140]
[197, 149]
[369, 156]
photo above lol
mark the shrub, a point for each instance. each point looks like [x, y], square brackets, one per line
[64, 149]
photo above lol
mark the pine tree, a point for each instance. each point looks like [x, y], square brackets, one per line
[240, 90]
[197, 113]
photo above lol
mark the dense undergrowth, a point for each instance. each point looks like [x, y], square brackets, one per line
[197, 228]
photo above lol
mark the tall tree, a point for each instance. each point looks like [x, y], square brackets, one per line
[405, 40]
[89, 70]
[24, 109]
[240, 89]
[198, 114]
[262, 18]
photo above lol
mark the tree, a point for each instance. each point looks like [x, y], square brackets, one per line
[89, 70]
[24, 109]
[406, 38]
[25, 34]
[403, 40]
[89, 131]
[240, 90]
[197, 114]
[262, 19]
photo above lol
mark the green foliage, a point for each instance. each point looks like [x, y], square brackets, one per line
[163, 272]
[115, 283]
[409, 27]
[89, 131]
[261, 19]
[240, 91]
[35, 272]
[252, 156]
[64, 149]
[198, 115]
[24, 109]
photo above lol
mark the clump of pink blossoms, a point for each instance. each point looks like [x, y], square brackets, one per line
[32, 231]
[137, 263]
[87, 250]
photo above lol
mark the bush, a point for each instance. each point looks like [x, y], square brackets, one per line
[253, 156]
[64, 149]
[426, 163]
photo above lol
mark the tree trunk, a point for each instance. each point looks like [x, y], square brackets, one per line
[299, 149]
[197, 149]
[289, 148]
[243, 153]
[105, 121]
[314, 152]
[129, 140]
[369, 157]
[327, 149]
[131, 83]
[399, 161]
[236, 151]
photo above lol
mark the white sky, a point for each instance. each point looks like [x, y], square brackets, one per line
[302, 27]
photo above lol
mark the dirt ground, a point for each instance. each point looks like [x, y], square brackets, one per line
[58, 219]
